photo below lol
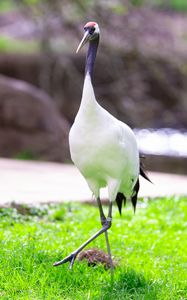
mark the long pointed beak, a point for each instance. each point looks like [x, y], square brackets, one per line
[83, 41]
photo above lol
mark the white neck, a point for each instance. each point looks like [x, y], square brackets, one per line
[88, 101]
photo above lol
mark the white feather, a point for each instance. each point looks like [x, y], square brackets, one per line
[103, 148]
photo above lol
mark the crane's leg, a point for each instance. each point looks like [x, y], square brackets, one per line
[103, 220]
[102, 215]
[109, 218]
[73, 255]
[108, 250]
[106, 223]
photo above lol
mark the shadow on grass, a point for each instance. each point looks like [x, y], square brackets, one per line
[128, 284]
[125, 284]
[34, 269]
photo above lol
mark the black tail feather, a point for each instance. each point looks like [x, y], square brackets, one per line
[120, 196]
[142, 172]
[135, 195]
[119, 200]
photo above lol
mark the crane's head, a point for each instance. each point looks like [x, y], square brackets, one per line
[91, 32]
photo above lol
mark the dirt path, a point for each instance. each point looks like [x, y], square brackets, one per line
[39, 182]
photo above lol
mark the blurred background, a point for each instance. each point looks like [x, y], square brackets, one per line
[140, 75]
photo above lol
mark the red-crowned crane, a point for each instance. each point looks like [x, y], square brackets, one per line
[103, 148]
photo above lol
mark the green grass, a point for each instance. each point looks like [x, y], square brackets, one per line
[150, 246]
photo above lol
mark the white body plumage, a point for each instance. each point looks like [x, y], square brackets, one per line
[103, 148]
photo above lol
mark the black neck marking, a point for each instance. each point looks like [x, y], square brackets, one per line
[91, 56]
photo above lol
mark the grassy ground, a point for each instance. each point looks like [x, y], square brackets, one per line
[150, 248]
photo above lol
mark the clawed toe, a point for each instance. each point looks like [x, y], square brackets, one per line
[70, 258]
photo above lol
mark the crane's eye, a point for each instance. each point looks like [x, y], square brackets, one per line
[91, 31]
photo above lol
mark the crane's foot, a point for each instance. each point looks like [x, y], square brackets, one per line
[71, 258]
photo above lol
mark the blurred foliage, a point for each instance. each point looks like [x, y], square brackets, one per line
[57, 6]
[26, 155]
[8, 45]
[6, 5]
[78, 7]
[42, 12]
[136, 2]
[178, 5]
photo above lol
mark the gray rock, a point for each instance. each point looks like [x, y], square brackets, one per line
[30, 123]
